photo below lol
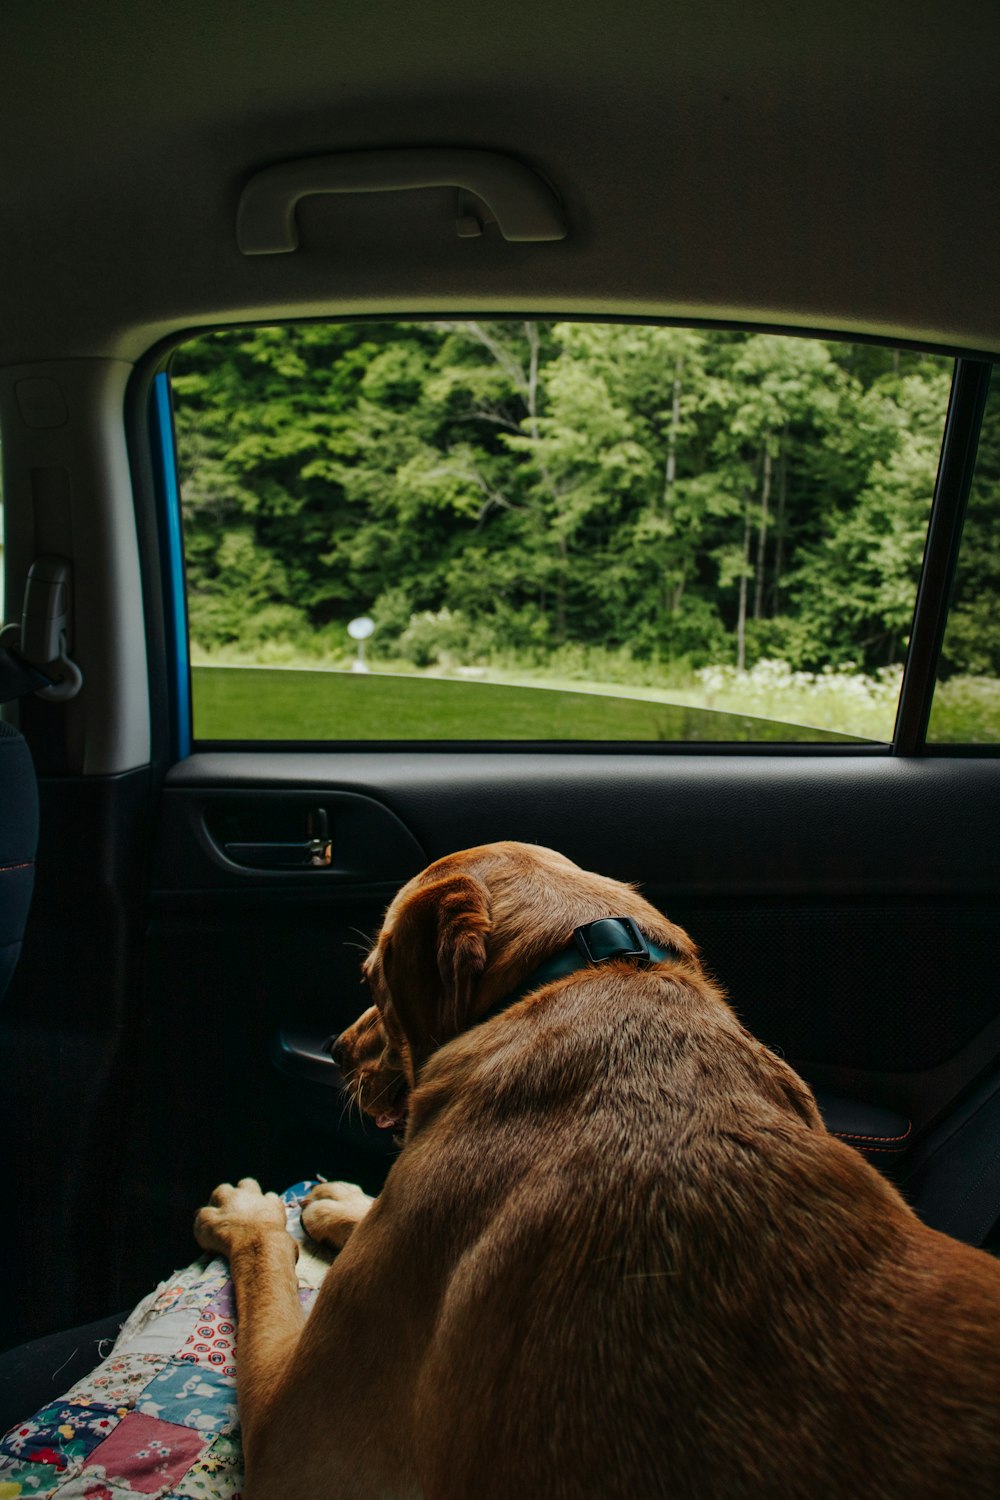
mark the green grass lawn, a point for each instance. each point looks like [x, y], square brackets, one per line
[966, 711]
[278, 703]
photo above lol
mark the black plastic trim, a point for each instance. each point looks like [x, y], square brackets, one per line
[138, 437]
[666, 749]
[369, 842]
[934, 749]
[972, 371]
[835, 825]
[944, 536]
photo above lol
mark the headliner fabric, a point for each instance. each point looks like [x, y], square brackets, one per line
[158, 1416]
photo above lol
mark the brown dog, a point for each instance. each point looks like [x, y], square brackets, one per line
[619, 1254]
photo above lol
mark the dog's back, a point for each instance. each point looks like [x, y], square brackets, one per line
[619, 1255]
[665, 1277]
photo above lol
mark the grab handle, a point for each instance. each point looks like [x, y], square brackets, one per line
[524, 207]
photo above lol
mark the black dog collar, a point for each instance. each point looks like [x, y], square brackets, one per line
[600, 942]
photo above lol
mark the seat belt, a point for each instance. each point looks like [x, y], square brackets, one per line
[33, 654]
[18, 678]
[953, 1181]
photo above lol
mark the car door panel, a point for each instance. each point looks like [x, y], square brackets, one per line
[845, 903]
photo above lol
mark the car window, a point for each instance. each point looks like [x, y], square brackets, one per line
[475, 530]
[966, 707]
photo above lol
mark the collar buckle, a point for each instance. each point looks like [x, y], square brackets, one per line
[611, 938]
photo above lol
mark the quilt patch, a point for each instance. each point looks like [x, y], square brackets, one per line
[150, 1455]
[117, 1382]
[217, 1475]
[158, 1416]
[213, 1341]
[61, 1435]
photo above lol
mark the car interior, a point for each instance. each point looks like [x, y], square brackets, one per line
[172, 973]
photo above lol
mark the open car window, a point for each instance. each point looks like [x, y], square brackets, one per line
[550, 531]
[966, 707]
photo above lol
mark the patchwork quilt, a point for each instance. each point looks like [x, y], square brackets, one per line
[158, 1416]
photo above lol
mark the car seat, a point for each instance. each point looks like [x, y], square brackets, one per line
[18, 842]
[40, 1371]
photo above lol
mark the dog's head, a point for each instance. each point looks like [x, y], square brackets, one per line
[456, 940]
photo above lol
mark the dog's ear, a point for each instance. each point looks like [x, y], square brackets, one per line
[432, 959]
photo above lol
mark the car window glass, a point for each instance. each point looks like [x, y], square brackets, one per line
[475, 530]
[966, 707]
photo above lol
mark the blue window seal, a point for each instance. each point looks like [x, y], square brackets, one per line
[174, 600]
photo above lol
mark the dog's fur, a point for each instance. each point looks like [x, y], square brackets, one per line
[618, 1256]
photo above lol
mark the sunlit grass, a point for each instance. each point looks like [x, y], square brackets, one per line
[269, 703]
[297, 695]
[966, 710]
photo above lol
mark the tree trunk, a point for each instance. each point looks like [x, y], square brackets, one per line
[675, 422]
[531, 332]
[741, 619]
[672, 597]
[765, 498]
[524, 377]
[561, 590]
[677, 593]
[779, 547]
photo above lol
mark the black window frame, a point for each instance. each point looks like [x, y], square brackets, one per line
[956, 466]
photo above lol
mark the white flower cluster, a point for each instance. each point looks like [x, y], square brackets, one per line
[840, 698]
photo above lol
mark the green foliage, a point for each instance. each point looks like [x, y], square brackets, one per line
[856, 584]
[532, 492]
[972, 639]
[966, 710]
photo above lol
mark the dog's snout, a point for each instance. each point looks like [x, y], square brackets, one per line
[338, 1051]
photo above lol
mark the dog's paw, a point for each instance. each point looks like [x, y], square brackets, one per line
[237, 1215]
[332, 1210]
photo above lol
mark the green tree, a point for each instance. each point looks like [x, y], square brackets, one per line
[856, 584]
[520, 486]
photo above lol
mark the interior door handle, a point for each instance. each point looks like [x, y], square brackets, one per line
[525, 208]
[300, 856]
[314, 852]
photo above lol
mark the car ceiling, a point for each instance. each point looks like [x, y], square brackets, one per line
[826, 166]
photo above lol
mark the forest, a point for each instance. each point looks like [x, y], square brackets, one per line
[614, 503]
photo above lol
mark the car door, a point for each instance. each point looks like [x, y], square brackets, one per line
[203, 904]
[844, 894]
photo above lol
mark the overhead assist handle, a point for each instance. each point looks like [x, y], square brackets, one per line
[524, 207]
